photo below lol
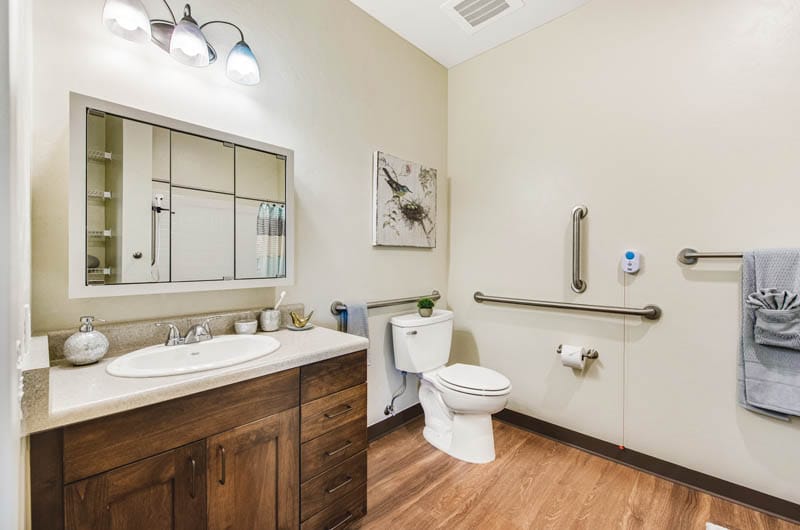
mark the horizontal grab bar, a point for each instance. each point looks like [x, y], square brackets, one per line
[338, 307]
[689, 256]
[650, 312]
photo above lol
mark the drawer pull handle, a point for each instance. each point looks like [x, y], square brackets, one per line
[347, 444]
[337, 487]
[194, 473]
[345, 410]
[222, 473]
[340, 523]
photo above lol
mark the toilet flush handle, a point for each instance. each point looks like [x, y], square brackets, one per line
[413, 332]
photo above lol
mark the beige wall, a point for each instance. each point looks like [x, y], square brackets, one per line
[16, 225]
[676, 123]
[336, 86]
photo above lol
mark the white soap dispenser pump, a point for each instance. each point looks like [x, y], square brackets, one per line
[88, 345]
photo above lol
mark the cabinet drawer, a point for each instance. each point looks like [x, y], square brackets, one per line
[329, 487]
[326, 377]
[333, 448]
[325, 414]
[340, 515]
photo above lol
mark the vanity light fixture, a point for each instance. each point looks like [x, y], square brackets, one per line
[184, 40]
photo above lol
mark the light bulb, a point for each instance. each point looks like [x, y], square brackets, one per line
[188, 44]
[127, 19]
[242, 66]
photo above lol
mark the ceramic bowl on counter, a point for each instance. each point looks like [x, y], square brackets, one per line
[245, 327]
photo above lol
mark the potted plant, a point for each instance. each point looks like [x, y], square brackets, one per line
[425, 307]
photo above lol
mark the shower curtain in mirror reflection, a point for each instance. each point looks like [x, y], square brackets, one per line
[270, 240]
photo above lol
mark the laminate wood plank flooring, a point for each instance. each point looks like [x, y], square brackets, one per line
[535, 483]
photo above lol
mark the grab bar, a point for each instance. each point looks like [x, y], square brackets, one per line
[689, 256]
[650, 312]
[338, 308]
[578, 213]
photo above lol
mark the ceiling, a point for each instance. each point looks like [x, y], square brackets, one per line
[427, 26]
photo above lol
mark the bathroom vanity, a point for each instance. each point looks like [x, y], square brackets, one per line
[276, 443]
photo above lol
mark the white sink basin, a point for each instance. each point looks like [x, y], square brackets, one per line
[225, 350]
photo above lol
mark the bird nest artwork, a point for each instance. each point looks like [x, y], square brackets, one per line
[404, 203]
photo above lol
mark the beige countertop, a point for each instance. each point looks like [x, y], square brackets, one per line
[63, 394]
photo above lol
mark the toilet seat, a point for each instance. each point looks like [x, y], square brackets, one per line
[474, 380]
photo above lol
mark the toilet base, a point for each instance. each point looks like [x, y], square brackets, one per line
[468, 437]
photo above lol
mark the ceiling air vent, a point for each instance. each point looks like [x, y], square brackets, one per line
[474, 15]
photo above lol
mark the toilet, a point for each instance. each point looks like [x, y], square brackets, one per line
[458, 400]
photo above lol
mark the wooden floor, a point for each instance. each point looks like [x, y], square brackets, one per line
[534, 483]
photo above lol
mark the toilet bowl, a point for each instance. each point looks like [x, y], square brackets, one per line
[458, 400]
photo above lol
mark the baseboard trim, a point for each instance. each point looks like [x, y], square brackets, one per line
[688, 477]
[391, 423]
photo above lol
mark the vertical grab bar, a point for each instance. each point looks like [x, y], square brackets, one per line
[578, 213]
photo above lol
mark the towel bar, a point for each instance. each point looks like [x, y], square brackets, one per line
[689, 256]
[650, 312]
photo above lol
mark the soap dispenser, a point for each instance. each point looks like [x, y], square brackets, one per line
[88, 345]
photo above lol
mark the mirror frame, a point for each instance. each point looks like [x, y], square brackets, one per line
[78, 105]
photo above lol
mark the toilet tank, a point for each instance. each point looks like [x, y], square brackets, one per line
[422, 343]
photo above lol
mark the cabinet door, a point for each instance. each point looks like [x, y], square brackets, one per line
[164, 491]
[253, 475]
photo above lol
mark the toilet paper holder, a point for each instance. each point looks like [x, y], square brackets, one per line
[590, 353]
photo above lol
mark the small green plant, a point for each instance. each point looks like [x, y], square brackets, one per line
[425, 303]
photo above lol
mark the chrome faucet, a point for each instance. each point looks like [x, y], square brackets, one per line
[197, 333]
[173, 335]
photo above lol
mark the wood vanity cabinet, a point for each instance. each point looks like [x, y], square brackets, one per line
[287, 450]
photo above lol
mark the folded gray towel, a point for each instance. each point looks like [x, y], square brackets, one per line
[768, 376]
[356, 322]
[777, 318]
[773, 299]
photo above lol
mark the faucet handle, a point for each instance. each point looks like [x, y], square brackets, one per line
[174, 334]
[207, 322]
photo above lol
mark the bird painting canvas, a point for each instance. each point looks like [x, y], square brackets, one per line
[404, 203]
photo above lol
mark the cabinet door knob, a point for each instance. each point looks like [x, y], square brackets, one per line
[221, 451]
[137, 255]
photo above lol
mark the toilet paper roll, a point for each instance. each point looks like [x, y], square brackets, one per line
[573, 356]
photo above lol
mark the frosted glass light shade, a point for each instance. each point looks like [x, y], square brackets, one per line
[127, 19]
[242, 65]
[188, 44]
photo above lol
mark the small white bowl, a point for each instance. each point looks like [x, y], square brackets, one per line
[245, 327]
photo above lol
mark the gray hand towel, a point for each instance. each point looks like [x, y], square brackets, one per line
[356, 322]
[768, 376]
[777, 318]
[774, 299]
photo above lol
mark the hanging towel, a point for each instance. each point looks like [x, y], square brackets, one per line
[768, 375]
[355, 322]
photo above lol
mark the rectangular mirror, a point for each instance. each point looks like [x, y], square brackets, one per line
[158, 205]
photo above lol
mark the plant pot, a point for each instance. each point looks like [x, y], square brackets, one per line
[425, 311]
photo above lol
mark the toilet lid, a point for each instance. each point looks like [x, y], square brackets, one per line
[473, 378]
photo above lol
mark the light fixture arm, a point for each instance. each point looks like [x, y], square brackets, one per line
[171, 14]
[241, 34]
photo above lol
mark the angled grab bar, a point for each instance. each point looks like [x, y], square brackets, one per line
[650, 312]
[578, 213]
